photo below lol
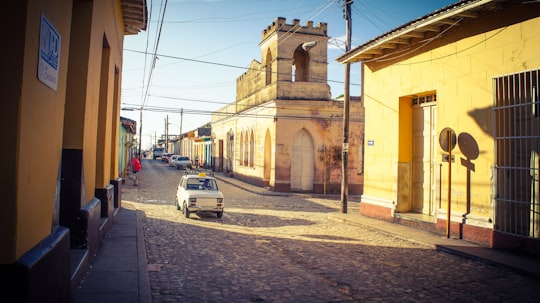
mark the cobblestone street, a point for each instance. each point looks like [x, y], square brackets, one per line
[286, 249]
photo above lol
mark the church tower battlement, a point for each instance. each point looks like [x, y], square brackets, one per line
[293, 65]
[280, 24]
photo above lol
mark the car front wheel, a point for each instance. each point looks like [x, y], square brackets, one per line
[186, 210]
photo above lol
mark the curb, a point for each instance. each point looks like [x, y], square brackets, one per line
[142, 264]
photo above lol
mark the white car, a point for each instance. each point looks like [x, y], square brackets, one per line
[199, 192]
[183, 163]
[172, 160]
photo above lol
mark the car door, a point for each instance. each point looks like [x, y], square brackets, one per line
[181, 192]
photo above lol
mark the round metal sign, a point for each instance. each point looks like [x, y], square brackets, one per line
[447, 133]
[468, 146]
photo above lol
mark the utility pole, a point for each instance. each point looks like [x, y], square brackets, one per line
[180, 134]
[345, 161]
[167, 134]
[140, 133]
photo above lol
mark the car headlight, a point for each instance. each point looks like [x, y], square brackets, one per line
[219, 200]
[192, 200]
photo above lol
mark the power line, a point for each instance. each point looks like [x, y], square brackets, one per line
[175, 109]
[156, 45]
[145, 96]
[218, 64]
[333, 117]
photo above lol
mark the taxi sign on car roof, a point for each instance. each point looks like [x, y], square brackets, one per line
[199, 173]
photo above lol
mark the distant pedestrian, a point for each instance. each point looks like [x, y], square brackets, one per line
[136, 167]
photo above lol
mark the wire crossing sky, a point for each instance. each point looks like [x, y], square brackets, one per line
[193, 51]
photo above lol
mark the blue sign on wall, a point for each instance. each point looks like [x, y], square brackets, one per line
[49, 54]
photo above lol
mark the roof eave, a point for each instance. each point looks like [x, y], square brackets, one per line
[135, 15]
[401, 35]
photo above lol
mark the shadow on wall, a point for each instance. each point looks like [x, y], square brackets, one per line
[483, 117]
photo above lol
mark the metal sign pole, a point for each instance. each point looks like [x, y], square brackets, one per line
[449, 183]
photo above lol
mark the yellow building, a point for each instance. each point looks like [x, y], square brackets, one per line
[284, 131]
[459, 83]
[61, 108]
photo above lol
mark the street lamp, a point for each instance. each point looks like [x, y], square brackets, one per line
[309, 45]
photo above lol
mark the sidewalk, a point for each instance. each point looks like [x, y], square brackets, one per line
[120, 272]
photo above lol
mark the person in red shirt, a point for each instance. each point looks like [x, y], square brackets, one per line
[136, 167]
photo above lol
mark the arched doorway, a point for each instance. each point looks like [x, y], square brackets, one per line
[302, 162]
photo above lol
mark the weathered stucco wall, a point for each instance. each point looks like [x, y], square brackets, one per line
[459, 68]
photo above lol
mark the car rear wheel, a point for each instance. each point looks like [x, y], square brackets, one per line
[219, 214]
[186, 210]
[177, 205]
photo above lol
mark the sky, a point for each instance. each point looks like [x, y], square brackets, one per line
[196, 49]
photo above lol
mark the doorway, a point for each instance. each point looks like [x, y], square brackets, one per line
[302, 162]
[424, 140]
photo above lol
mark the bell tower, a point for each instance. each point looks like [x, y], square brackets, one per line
[295, 60]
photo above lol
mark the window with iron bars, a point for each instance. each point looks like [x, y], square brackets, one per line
[517, 147]
[421, 99]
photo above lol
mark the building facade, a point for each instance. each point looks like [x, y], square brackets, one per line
[457, 94]
[284, 130]
[127, 146]
[60, 183]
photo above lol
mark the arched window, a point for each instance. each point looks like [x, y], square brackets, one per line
[300, 65]
[268, 67]
[230, 156]
[241, 158]
[246, 149]
[252, 150]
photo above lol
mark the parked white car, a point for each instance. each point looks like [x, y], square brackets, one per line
[199, 192]
[183, 163]
[173, 159]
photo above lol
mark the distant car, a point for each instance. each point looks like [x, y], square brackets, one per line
[165, 157]
[157, 153]
[199, 192]
[183, 163]
[172, 160]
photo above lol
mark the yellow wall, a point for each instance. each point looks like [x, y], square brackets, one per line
[39, 117]
[46, 120]
[97, 52]
[459, 68]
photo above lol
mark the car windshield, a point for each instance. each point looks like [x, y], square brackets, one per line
[201, 184]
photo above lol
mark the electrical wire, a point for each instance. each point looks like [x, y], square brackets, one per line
[155, 56]
[331, 118]
[295, 29]
[145, 58]
[367, 16]
[289, 108]
[220, 64]
[453, 54]
[423, 43]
